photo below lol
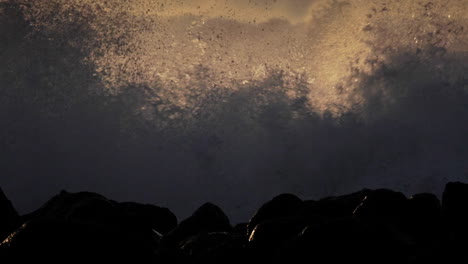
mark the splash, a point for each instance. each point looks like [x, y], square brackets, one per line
[233, 102]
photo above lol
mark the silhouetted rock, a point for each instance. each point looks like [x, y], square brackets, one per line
[145, 215]
[284, 205]
[228, 248]
[455, 202]
[424, 205]
[201, 246]
[206, 219]
[284, 217]
[62, 241]
[369, 226]
[273, 233]
[424, 214]
[217, 247]
[455, 217]
[336, 206]
[240, 230]
[345, 240]
[424, 224]
[90, 228]
[96, 209]
[209, 218]
[82, 206]
[9, 218]
[382, 205]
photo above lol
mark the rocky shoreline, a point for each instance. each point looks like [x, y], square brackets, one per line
[368, 226]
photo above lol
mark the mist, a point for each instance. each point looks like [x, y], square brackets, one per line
[184, 108]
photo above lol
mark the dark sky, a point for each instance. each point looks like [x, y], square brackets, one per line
[181, 102]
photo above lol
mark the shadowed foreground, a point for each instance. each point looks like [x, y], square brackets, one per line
[368, 226]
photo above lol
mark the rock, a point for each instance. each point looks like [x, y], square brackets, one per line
[284, 205]
[59, 241]
[368, 226]
[221, 247]
[424, 205]
[455, 217]
[334, 207]
[149, 216]
[284, 217]
[202, 245]
[89, 227]
[344, 240]
[9, 218]
[96, 209]
[239, 231]
[208, 218]
[424, 216]
[82, 206]
[424, 226]
[273, 233]
[216, 247]
[455, 203]
[382, 205]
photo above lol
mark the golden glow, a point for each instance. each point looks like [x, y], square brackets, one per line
[256, 11]
[252, 235]
[12, 235]
[236, 42]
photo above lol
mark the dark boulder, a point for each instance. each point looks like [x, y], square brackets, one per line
[150, 216]
[93, 208]
[59, 241]
[345, 240]
[284, 205]
[382, 205]
[82, 206]
[455, 202]
[9, 218]
[284, 217]
[274, 233]
[240, 230]
[217, 247]
[423, 216]
[202, 245]
[206, 219]
[87, 227]
[424, 225]
[455, 218]
[333, 207]
[424, 205]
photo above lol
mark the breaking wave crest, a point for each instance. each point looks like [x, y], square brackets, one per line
[186, 109]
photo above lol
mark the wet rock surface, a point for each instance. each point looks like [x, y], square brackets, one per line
[9, 218]
[368, 226]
